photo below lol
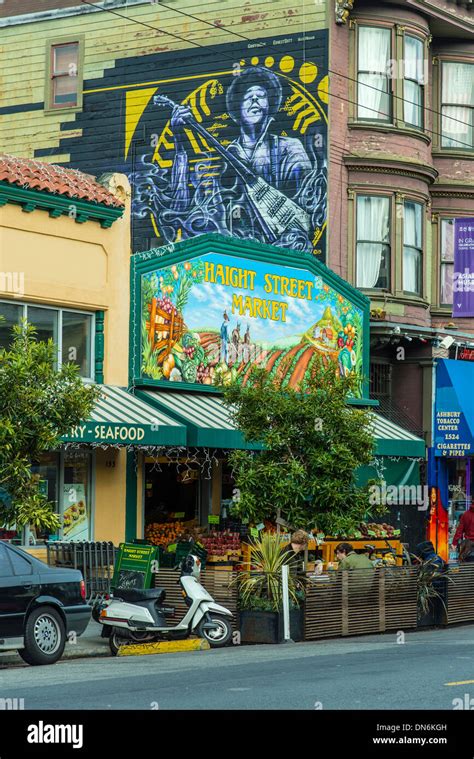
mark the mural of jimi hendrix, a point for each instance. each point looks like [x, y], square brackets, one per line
[262, 185]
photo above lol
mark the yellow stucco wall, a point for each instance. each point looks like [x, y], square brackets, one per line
[80, 266]
[76, 266]
[109, 514]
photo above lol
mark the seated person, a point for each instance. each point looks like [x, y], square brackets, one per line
[349, 559]
[426, 552]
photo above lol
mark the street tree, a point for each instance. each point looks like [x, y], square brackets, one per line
[38, 404]
[312, 442]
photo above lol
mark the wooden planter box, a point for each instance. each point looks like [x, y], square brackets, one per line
[267, 626]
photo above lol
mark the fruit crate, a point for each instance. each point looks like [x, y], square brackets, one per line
[328, 547]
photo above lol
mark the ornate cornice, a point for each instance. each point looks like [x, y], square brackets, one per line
[391, 166]
[343, 9]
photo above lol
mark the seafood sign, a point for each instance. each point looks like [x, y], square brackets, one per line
[216, 316]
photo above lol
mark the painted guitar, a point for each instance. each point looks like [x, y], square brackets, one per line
[276, 212]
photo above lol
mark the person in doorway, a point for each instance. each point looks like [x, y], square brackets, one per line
[349, 559]
[466, 551]
[294, 551]
[465, 529]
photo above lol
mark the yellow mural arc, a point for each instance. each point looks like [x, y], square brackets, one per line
[135, 103]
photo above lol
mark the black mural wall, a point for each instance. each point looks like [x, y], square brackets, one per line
[231, 139]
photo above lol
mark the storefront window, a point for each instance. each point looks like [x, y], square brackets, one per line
[76, 496]
[12, 314]
[46, 471]
[460, 490]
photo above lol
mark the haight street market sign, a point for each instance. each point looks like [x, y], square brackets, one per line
[216, 306]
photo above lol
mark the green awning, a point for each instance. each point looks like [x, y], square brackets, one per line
[204, 414]
[402, 473]
[209, 425]
[392, 440]
[120, 418]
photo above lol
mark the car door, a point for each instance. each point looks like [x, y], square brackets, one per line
[17, 590]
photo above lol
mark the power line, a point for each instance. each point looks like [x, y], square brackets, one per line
[248, 39]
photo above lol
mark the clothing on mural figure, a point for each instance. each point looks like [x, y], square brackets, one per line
[218, 199]
[224, 337]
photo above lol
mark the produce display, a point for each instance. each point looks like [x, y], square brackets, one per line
[373, 530]
[164, 533]
[223, 546]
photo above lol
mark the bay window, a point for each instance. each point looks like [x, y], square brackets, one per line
[373, 74]
[413, 81]
[457, 105]
[412, 247]
[373, 242]
[447, 261]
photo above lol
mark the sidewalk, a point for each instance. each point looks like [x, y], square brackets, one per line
[89, 644]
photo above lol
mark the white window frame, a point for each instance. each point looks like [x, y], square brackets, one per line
[59, 344]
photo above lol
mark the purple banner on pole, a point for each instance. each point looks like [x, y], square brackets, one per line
[463, 275]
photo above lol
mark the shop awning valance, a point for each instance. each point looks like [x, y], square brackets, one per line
[204, 414]
[392, 440]
[120, 418]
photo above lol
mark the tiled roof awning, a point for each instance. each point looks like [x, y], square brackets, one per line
[47, 177]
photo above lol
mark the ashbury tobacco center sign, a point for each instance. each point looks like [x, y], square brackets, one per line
[214, 306]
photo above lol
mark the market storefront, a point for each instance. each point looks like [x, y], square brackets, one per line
[211, 308]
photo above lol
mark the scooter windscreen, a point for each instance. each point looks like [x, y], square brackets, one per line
[191, 565]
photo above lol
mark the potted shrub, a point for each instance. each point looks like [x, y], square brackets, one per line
[431, 585]
[261, 593]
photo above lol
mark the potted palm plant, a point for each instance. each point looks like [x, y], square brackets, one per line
[261, 593]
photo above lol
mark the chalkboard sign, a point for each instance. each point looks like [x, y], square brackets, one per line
[135, 566]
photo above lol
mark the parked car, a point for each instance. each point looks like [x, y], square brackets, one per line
[39, 606]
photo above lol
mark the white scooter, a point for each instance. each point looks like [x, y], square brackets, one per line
[139, 616]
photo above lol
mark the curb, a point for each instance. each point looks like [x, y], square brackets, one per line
[164, 647]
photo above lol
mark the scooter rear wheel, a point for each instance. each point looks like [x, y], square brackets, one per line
[115, 642]
[217, 636]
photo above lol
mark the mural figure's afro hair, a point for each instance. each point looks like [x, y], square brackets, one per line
[253, 77]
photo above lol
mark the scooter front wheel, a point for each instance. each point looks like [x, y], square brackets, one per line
[216, 629]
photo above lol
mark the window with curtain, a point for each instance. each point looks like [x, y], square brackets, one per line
[413, 82]
[374, 93]
[447, 261]
[412, 247]
[457, 105]
[373, 242]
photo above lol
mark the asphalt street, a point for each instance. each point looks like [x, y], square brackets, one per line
[370, 672]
